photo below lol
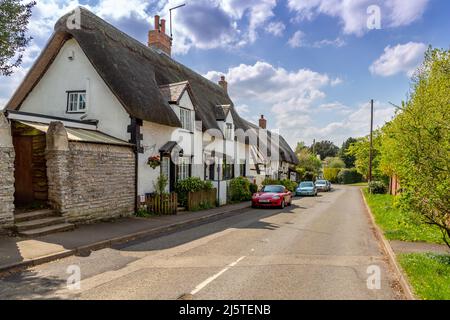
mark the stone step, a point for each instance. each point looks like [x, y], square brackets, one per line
[47, 230]
[39, 223]
[27, 216]
[181, 209]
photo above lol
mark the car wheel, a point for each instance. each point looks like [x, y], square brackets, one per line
[283, 204]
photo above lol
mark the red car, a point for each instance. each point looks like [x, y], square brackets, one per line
[272, 196]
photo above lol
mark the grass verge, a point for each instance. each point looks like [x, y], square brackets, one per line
[428, 273]
[398, 224]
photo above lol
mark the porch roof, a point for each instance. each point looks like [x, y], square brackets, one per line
[80, 135]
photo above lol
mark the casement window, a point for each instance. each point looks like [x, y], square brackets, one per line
[228, 131]
[186, 119]
[183, 168]
[76, 101]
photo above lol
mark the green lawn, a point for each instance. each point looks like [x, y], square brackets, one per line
[428, 273]
[398, 224]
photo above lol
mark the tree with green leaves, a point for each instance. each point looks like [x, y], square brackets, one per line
[309, 166]
[416, 143]
[324, 149]
[348, 159]
[360, 151]
[14, 17]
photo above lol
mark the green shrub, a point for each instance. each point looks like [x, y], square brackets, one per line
[269, 181]
[253, 188]
[377, 187]
[240, 189]
[191, 184]
[290, 185]
[348, 176]
[331, 174]
[161, 184]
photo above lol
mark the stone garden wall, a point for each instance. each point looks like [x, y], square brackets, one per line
[88, 181]
[7, 156]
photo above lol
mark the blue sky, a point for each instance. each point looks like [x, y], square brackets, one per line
[310, 66]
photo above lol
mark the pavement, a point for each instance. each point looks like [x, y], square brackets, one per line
[22, 252]
[319, 248]
[418, 247]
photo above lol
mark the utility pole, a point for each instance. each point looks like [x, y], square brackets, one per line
[371, 141]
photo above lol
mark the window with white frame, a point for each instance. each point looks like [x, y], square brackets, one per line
[228, 131]
[186, 119]
[183, 168]
[76, 101]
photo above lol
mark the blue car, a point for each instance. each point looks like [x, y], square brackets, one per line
[306, 188]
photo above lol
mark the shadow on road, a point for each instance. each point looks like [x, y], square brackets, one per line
[163, 242]
[28, 285]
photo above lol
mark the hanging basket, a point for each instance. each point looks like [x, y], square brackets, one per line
[154, 161]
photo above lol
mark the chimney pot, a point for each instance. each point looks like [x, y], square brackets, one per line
[157, 22]
[223, 83]
[262, 122]
[163, 25]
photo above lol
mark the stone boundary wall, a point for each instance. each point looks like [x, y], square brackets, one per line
[88, 181]
[7, 157]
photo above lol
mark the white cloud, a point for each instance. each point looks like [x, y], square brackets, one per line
[402, 58]
[338, 42]
[276, 28]
[352, 14]
[208, 24]
[297, 39]
[356, 123]
[290, 96]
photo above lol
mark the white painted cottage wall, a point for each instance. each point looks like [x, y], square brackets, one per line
[49, 96]
[156, 135]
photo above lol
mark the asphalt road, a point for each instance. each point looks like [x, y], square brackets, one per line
[319, 248]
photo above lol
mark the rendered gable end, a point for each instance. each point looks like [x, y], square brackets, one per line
[49, 96]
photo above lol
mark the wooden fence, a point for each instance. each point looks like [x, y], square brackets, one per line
[166, 204]
[201, 200]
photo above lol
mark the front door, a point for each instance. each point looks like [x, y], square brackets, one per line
[23, 173]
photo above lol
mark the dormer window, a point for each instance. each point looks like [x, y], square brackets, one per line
[186, 119]
[76, 101]
[228, 131]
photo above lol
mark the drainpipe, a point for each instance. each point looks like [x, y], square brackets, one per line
[136, 137]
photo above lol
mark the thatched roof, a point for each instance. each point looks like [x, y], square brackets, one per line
[133, 72]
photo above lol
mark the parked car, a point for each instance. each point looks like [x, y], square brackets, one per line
[323, 185]
[306, 188]
[272, 196]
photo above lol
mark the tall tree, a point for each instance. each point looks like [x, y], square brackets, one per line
[14, 17]
[416, 143]
[348, 159]
[325, 149]
[300, 146]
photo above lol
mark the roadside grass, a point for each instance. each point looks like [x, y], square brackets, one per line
[428, 273]
[359, 184]
[398, 224]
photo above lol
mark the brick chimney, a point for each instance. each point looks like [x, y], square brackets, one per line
[223, 84]
[158, 38]
[262, 122]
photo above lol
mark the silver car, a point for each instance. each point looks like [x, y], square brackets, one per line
[323, 185]
[306, 188]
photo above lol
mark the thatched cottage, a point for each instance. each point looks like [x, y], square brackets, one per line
[98, 104]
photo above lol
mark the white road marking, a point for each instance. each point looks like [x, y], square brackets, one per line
[214, 277]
